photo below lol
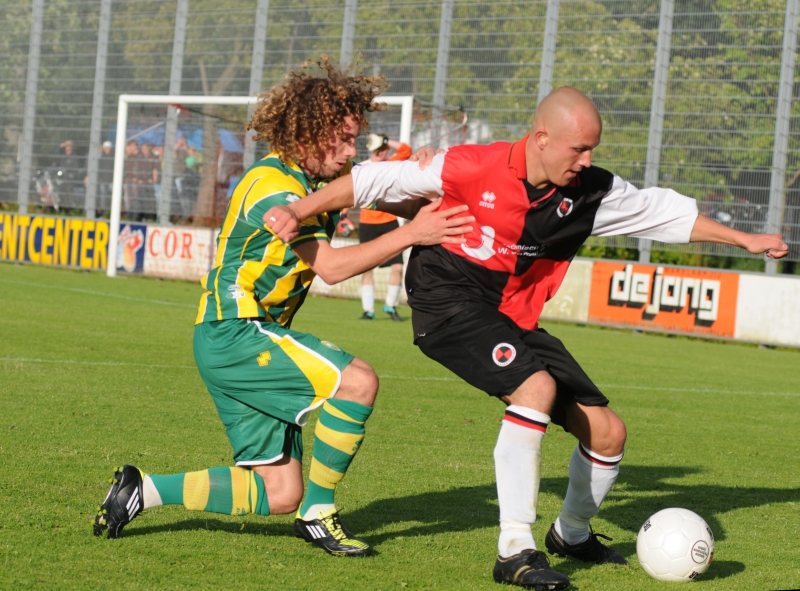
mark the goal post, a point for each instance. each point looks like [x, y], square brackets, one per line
[405, 104]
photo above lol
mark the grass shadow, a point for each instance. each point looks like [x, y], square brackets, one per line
[469, 508]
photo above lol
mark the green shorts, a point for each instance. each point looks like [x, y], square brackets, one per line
[265, 380]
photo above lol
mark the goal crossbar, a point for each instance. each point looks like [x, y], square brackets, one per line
[405, 102]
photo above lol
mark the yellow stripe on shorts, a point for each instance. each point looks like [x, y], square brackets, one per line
[323, 375]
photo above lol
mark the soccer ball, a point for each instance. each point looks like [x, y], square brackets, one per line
[675, 545]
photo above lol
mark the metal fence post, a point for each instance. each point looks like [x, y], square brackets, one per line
[256, 76]
[440, 80]
[96, 129]
[348, 32]
[29, 114]
[548, 49]
[777, 185]
[175, 78]
[657, 106]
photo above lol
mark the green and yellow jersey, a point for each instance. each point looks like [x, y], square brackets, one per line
[255, 274]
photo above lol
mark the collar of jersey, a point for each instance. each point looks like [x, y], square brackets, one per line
[516, 158]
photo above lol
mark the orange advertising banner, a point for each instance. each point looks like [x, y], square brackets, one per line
[681, 300]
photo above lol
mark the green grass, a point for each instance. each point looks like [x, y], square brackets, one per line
[96, 372]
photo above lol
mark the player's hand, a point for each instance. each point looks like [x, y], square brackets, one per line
[283, 222]
[424, 156]
[770, 244]
[431, 226]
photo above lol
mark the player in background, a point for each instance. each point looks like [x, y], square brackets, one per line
[476, 305]
[264, 377]
[374, 223]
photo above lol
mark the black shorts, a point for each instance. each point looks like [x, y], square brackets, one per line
[489, 351]
[369, 232]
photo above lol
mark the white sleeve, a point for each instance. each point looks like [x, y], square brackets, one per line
[393, 182]
[654, 213]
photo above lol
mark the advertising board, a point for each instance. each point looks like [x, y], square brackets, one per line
[49, 240]
[694, 301]
[174, 252]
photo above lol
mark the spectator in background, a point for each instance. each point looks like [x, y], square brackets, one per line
[149, 175]
[158, 154]
[132, 181]
[105, 177]
[71, 173]
[375, 223]
[192, 171]
[180, 153]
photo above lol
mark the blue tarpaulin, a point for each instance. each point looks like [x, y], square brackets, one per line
[194, 137]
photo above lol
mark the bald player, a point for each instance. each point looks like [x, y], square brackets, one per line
[476, 306]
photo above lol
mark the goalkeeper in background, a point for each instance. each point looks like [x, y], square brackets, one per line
[265, 378]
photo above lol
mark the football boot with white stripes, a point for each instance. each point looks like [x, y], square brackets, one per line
[328, 533]
[123, 502]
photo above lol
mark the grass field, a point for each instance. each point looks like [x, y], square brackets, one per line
[96, 372]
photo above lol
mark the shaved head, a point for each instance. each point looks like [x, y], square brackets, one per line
[563, 106]
[566, 128]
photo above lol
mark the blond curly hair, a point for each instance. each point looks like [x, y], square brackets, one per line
[304, 110]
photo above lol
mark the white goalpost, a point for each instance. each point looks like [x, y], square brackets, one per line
[406, 104]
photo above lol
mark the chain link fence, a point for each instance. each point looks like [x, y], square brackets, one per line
[696, 96]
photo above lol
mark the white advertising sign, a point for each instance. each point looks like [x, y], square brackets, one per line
[175, 252]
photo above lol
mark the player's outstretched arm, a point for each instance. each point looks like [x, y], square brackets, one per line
[707, 230]
[284, 220]
[430, 226]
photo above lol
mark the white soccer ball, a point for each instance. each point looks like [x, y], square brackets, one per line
[675, 545]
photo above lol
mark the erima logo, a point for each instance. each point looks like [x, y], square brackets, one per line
[485, 250]
[503, 354]
[487, 200]
[565, 207]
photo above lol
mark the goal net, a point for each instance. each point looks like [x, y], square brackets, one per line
[176, 160]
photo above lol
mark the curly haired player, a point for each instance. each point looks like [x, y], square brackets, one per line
[264, 377]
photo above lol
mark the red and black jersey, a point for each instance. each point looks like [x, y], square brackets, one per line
[522, 243]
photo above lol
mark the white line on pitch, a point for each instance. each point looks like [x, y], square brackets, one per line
[76, 362]
[392, 377]
[98, 293]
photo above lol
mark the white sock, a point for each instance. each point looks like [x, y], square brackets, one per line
[314, 510]
[393, 295]
[517, 464]
[150, 493]
[591, 477]
[368, 298]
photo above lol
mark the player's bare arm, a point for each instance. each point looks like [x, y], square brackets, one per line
[284, 220]
[707, 230]
[429, 227]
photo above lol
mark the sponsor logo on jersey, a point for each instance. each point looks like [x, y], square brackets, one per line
[264, 358]
[487, 200]
[565, 207]
[485, 251]
[293, 198]
[503, 354]
[330, 345]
